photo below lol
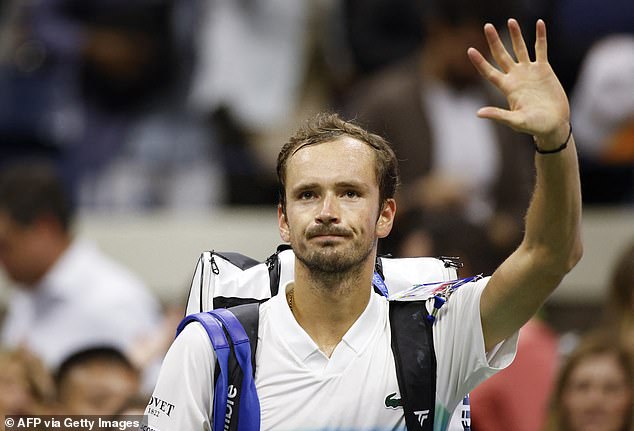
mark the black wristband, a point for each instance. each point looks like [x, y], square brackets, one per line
[559, 148]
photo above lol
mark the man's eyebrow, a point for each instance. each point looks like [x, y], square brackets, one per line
[353, 184]
[305, 186]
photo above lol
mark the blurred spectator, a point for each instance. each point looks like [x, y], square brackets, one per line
[517, 398]
[594, 389]
[602, 106]
[96, 381]
[104, 87]
[426, 107]
[26, 386]
[258, 72]
[519, 395]
[69, 294]
[250, 59]
[619, 311]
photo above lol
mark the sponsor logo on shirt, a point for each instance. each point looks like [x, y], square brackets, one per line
[157, 406]
[392, 402]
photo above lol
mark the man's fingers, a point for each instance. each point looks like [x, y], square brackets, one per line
[484, 67]
[498, 51]
[541, 46]
[504, 116]
[519, 46]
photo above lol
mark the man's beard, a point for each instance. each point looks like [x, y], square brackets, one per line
[328, 259]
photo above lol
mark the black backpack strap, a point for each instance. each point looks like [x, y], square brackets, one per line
[249, 317]
[413, 348]
[273, 263]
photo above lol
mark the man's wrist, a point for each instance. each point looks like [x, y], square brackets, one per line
[555, 144]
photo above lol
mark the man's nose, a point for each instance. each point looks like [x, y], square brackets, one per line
[329, 210]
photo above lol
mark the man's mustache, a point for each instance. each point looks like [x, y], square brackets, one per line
[321, 230]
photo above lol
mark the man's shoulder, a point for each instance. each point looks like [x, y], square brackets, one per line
[193, 340]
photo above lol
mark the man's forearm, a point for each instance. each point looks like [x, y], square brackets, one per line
[550, 248]
[554, 216]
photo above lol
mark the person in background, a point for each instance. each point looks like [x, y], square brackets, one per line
[602, 101]
[68, 294]
[450, 161]
[26, 385]
[99, 87]
[96, 381]
[594, 389]
[517, 398]
[423, 105]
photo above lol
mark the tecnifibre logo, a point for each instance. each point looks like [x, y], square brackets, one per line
[232, 392]
[421, 415]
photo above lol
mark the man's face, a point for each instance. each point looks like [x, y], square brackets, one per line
[20, 247]
[333, 219]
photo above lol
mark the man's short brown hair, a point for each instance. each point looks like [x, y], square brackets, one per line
[327, 127]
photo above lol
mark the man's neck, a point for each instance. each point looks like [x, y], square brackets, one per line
[327, 306]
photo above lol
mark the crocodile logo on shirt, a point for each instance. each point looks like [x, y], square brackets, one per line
[391, 402]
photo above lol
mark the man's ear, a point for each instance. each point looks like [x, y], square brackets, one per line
[386, 218]
[283, 224]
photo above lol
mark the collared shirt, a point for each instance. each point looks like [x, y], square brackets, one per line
[300, 388]
[86, 299]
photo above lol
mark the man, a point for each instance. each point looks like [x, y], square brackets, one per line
[69, 295]
[324, 359]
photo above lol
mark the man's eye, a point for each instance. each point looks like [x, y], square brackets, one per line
[307, 195]
[351, 194]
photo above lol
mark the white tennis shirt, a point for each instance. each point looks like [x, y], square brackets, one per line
[302, 389]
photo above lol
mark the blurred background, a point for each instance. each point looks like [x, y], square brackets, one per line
[164, 118]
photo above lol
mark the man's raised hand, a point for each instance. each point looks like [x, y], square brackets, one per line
[537, 102]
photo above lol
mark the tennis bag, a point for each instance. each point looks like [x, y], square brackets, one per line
[227, 289]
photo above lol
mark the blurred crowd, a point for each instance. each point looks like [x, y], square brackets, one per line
[135, 106]
[141, 100]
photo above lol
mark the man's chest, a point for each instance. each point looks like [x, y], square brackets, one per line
[352, 390]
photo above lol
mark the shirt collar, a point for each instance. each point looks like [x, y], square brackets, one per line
[354, 341]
